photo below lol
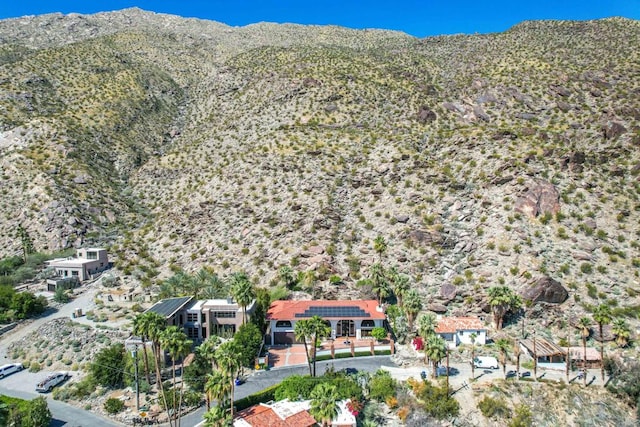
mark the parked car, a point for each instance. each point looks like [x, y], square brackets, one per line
[52, 381]
[10, 368]
[441, 371]
[485, 362]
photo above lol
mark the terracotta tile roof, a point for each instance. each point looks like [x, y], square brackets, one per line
[265, 416]
[291, 310]
[450, 325]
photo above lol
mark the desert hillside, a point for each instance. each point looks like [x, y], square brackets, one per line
[180, 143]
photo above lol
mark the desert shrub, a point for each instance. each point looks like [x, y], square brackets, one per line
[436, 401]
[381, 386]
[113, 406]
[523, 417]
[494, 408]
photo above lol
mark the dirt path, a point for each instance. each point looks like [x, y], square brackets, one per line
[84, 301]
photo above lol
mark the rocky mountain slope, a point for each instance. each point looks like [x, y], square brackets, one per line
[502, 158]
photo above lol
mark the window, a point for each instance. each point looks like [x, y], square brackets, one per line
[203, 318]
[74, 273]
[192, 317]
[224, 314]
[224, 331]
[92, 255]
[192, 333]
[367, 324]
[283, 324]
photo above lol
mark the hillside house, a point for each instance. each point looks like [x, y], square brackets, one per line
[577, 356]
[458, 330]
[349, 318]
[203, 318]
[547, 354]
[71, 271]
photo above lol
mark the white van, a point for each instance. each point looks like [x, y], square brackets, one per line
[485, 362]
[10, 369]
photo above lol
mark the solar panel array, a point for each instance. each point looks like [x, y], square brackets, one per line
[337, 311]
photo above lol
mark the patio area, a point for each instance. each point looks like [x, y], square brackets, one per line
[289, 355]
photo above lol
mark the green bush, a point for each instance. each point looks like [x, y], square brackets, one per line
[379, 333]
[265, 395]
[113, 406]
[381, 386]
[437, 401]
[494, 408]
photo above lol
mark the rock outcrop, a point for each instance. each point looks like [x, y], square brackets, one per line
[546, 290]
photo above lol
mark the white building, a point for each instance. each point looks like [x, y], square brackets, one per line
[458, 330]
[86, 263]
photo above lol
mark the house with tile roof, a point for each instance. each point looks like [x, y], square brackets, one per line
[347, 318]
[458, 330]
[286, 413]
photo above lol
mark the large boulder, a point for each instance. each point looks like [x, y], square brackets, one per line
[540, 199]
[547, 290]
[448, 291]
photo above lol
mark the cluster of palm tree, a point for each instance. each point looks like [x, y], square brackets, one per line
[203, 284]
[603, 315]
[150, 326]
[310, 331]
[220, 384]
[434, 346]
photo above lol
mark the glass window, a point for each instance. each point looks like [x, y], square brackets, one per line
[92, 255]
[224, 314]
[367, 324]
[192, 317]
[283, 324]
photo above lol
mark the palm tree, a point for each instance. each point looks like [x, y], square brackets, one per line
[380, 246]
[215, 288]
[473, 337]
[517, 352]
[502, 300]
[426, 327]
[585, 329]
[379, 283]
[207, 350]
[324, 408]
[243, 291]
[302, 331]
[620, 329]
[217, 417]
[400, 284]
[503, 345]
[217, 388]
[412, 306]
[436, 349]
[602, 315]
[227, 359]
[319, 329]
[140, 329]
[286, 277]
[175, 341]
[155, 328]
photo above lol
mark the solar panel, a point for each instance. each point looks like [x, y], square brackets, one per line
[336, 311]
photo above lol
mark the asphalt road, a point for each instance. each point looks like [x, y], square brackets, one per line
[22, 384]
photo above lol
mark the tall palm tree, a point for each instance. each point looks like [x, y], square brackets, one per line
[141, 329]
[243, 291]
[215, 288]
[584, 324]
[380, 246]
[302, 331]
[621, 331]
[473, 338]
[217, 417]
[602, 315]
[379, 282]
[436, 349]
[426, 327]
[227, 360]
[517, 352]
[319, 329]
[324, 408]
[207, 350]
[400, 284]
[218, 388]
[175, 341]
[412, 306]
[503, 345]
[154, 328]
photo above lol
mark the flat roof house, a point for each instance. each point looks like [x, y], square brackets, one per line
[203, 318]
[349, 318]
[458, 330]
[547, 353]
[83, 266]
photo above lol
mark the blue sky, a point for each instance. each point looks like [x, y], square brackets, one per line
[419, 18]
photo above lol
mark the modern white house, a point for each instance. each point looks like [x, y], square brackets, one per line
[203, 318]
[86, 263]
[349, 318]
[458, 330]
